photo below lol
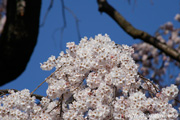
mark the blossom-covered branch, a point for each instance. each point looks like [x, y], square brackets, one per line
[94, 80]
[7, 91]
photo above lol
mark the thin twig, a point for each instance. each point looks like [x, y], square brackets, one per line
[64, 24]
[77, 21]
[63, 7]
[44, 81]
[149, 89]
[54, 108]
[58, 105]
[48, 10]
[71, 98]
[38, 87]
[156, 88]
[64, 20]
[114, 98]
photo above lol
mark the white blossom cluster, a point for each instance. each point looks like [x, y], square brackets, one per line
[170, 92]
[21, 106]
[95, 80]
[177, 17]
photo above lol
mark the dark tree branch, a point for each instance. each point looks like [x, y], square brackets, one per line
[19, 37]
[61, 105]
[135, 33]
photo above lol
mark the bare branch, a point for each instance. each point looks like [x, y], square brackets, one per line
[63, 7]
[135, 33]
[64, 21]
[61, 105]
[77, 22]
[47, 12]
[142, 77]
[149, 89]
[44, 81]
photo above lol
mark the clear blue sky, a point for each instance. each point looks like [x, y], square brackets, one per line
[143, 15]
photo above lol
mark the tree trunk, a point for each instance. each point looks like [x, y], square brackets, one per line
[18, 38]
